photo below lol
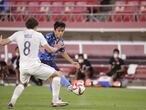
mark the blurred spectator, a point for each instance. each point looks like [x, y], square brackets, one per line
[3, 72]
[105, 2]
[3, 6]
[117, 69]
[15, 62]
[86, 71]
[91, 10]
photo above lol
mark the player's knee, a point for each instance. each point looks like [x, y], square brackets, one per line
[57, 79]
[59, 73]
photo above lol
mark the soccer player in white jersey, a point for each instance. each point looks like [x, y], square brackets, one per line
[29, 42]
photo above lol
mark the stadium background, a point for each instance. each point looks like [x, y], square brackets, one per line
[94, 27]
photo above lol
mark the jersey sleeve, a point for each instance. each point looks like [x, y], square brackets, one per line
[13, 37]
[43, 40]
[48, 38]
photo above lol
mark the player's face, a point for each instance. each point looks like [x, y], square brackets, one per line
[59, 32]
[116, 54]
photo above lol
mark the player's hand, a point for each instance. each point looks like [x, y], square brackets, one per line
[76, 64]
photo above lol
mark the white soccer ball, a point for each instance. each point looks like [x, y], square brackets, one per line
[78, 88]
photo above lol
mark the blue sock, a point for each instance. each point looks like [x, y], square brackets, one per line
[50, 85]
[64, 82]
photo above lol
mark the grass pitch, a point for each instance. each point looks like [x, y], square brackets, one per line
[39, 98]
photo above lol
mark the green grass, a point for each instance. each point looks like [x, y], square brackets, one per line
[39, 98]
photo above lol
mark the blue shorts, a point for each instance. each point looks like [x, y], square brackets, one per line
[51, 63]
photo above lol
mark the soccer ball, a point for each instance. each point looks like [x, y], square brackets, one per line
[78, 88]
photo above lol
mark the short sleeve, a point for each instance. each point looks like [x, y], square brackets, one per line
[48, 37]
[13, 37]
[43, 40]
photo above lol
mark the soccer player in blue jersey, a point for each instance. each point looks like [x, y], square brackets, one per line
[54, 38]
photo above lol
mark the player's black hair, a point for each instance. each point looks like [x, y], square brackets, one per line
[31, 23]
[59, 24]
[116, 50]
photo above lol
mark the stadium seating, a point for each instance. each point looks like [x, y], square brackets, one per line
[142, 16]
[77, 11]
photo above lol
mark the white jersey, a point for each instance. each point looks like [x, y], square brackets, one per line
[29, 42]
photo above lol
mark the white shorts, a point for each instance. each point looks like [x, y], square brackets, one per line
[41, 72]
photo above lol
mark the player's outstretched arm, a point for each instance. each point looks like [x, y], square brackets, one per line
[4, 41]
[69, 59]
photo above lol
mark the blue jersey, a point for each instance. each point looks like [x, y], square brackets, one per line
[51, 39]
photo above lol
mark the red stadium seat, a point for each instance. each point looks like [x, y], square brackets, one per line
[118, 9]
[79, 9]
[34, 7]
[142, 16]
[128, 18]
[130, 10]
[57, 8]
[117, 18]
[20, 7]
[69, 6]
[45, 7]
[126, 11]
[133, 6]
[19, 11]
[119, 6]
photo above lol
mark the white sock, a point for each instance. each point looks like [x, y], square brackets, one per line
[55, 88]
[17, 92]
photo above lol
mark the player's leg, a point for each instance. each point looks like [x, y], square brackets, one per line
[24, 79]
[63, 80]
[17, 92]
[65, 83]
[17, 76]
[45, 72]
[55, 91]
